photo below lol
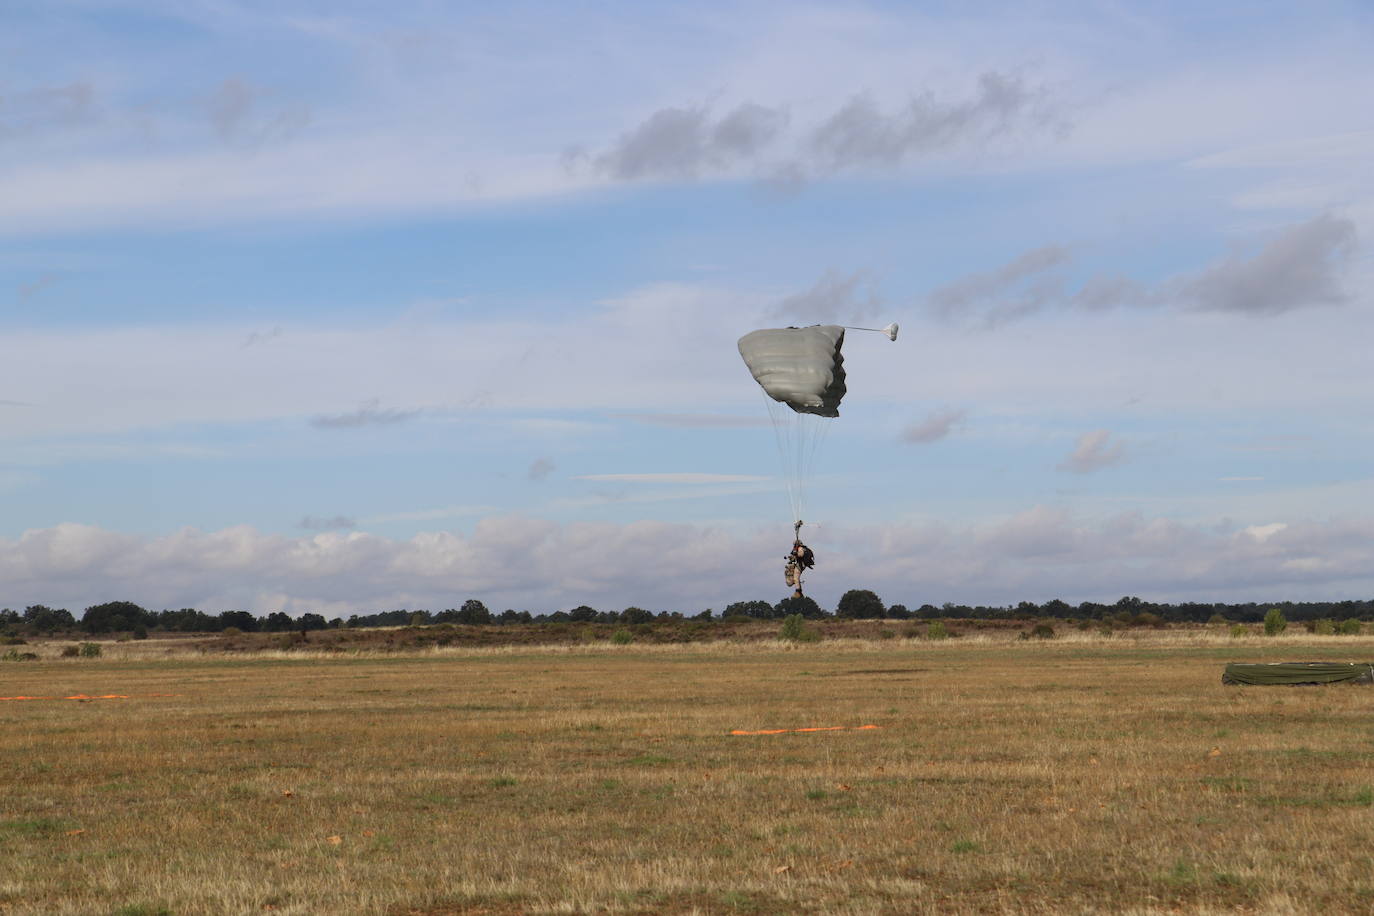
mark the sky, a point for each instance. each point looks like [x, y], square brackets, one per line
[348, 307]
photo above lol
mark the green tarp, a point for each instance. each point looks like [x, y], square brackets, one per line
[1299, 673]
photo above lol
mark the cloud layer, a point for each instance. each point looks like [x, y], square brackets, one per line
[514, 561]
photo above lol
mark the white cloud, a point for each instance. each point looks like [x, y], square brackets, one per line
[370, 414]
[1264, 532]
[1095, 450]
[429, 515]
[936, 426]
[687, 477]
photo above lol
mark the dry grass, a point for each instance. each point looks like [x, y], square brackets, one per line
[1077, 775]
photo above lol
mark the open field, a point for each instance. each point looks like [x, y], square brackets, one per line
[1075, 775]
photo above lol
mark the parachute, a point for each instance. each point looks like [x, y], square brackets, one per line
[801, 372]
[800, 367]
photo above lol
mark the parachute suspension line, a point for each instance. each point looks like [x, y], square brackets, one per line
[799, 437]
[785, 435]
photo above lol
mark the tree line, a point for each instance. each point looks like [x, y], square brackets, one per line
[127, 617]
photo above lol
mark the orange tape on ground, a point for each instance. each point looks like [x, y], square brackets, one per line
[822, 728]
[101, 696]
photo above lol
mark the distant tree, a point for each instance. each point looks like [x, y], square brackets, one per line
[186, 620]
[277, 622]
[927, 612]
[761, 609]
[1274, 622]
[472, 613]
[1027, 610]
[312, 622]
[582, 614]
[113, 617]
[1092, 610]
[510, 615]
[636, 615]
[242, 621]
[1057, 608]
[899, 612]
[807, 607]
[45, 619]
[704, 615]
[860, 603]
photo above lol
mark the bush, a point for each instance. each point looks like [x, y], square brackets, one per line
[1238, 630]
[936, 630]
[1274, 622]
[1217, 619]
[794, 629]
[14, 655]
[1323, 627]
[70, 652]
[90, 650]
[231, 631]
[1350, 627]
[622, 637]
[1041, 630]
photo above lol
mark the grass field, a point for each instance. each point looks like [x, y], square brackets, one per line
[1075, 775]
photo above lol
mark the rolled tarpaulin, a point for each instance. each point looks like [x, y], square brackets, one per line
[1291, 673]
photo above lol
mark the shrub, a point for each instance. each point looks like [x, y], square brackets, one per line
[622, 637]
[1274, 622]
[794, 629]
[231, 631]
[90, 650]
[1238, 630]
[1323, 627]
[70, 652]
[936, 630]
[1350, 627]
[1042, 630]
[14, 655]
[1217, 619]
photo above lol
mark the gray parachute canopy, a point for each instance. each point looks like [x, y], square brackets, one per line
[800, 367]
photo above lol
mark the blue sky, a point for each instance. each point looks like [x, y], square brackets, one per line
[336, 308]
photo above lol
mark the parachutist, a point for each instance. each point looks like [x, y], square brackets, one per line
[799, 559]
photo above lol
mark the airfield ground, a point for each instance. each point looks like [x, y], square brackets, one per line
[1080, 774]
